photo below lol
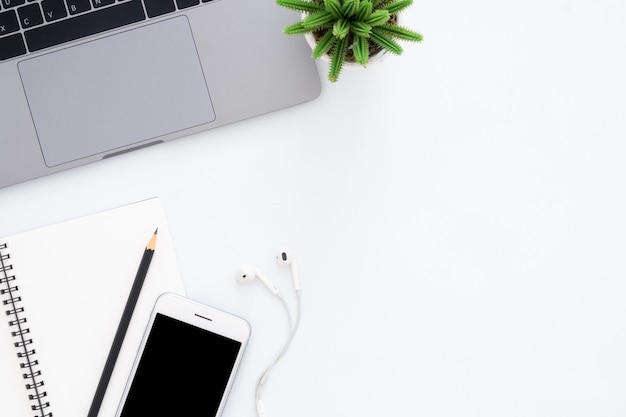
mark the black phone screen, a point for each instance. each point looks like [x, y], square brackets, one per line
[183, 371]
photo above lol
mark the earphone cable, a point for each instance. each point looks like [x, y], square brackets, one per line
[293, 328]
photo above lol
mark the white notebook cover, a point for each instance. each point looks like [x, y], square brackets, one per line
[74, 279]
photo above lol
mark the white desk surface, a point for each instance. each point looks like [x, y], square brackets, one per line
[458, 214]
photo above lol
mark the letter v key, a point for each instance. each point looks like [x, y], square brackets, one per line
[53, 9]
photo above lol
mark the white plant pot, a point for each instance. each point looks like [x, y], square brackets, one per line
[373, 60]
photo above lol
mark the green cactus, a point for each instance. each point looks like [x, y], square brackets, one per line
[350, 29]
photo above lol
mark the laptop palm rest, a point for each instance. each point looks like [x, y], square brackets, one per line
[120, 90]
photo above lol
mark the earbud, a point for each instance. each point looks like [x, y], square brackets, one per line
[285, 257]
[247, 273]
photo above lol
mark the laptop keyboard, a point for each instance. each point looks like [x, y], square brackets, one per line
[29, 26]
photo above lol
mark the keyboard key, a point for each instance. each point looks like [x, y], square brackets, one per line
[78, 6]
[12, 46]
[84, 25]
[30, 15]
[100, 3]
[8, 22]
[53, 9]
[183, 4]
[12, 3]
[158, 7]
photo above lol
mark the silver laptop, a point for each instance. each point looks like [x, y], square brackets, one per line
[82, 80]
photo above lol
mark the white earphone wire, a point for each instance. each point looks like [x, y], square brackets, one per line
[293, 327]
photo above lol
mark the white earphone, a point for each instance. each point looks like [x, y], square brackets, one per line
[245, 275]
[285, 257]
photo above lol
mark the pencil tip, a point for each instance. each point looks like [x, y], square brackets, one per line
[152, 242]
[156, 230]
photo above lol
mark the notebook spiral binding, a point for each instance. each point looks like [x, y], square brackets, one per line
[12, 303]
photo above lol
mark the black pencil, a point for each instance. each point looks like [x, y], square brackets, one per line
[122, 327]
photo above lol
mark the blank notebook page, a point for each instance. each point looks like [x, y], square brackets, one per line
[74, 279]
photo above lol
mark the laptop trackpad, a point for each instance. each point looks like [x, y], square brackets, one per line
[116, 91]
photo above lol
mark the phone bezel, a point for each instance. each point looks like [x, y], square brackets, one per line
[199, 315]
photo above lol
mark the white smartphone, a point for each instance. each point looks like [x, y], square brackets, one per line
[187, 361]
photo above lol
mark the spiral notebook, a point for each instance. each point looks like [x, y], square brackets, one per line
[62, 292]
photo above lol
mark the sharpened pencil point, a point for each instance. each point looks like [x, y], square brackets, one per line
[152, 243]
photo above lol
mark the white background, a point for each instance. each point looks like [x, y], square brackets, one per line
[458, 214]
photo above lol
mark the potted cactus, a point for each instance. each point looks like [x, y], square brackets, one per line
[350, 30]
